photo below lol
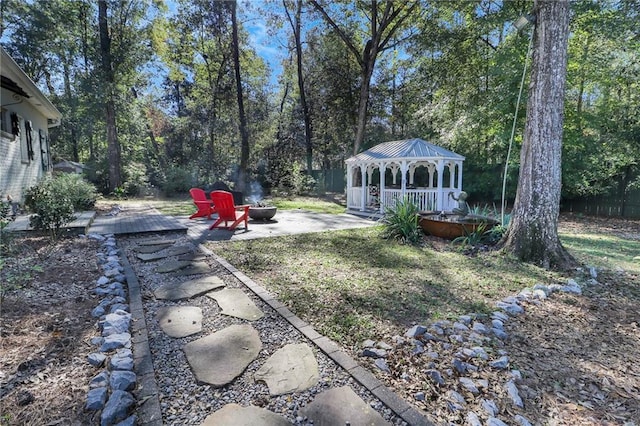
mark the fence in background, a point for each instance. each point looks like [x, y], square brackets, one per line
[331, 180]
[606, 205]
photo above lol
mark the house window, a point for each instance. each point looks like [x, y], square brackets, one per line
[5, 125]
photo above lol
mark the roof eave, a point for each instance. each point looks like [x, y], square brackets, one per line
[37, 99]
[395, 159]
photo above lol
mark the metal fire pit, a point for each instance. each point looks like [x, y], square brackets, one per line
[262, 213]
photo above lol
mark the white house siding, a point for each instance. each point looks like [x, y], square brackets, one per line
[16, 174]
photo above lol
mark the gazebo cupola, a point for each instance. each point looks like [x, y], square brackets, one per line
[426, 174]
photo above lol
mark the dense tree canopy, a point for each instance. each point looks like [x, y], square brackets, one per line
[445, 71]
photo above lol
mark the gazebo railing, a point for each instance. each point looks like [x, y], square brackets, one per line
[354, 198]
[424, 199]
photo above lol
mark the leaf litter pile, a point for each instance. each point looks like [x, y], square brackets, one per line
[578, 355]
[45, 328]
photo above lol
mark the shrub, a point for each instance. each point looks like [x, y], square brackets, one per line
[83, 195]
[51, 207]
[178, 180]
[5, 210]
[136, 180]
[303, 184]
[472, 239]
[400, 222]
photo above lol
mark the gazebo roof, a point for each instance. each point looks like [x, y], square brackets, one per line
[408, 149]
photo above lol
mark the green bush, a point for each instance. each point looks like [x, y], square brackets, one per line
[83, 194]
[5, 211]
[303, 184]
[178, 180]
[51, 206]
[475, 238]
[400, 222]
[136, 180]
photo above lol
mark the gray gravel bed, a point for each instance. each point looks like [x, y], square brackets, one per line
[183, 400]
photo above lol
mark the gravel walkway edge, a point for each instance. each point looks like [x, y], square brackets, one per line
[148, 411]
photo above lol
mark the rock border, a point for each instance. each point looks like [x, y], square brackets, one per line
[124, 392]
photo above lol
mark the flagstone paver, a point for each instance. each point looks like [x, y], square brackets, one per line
[180, 321]
[194, 268]
[292, 368]
[151, 248]
[236, 415]
[219, 358]
[341, 406]
[192, 256]
[156, 242]
[234, 302]
[173, 251]
[187, 289]
[172, 266]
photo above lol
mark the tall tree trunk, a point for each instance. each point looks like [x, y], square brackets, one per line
[363, 103]
[72, 104]
[113, 150]
[244, 133]
[296, 25]
[383, 26]
[585, 55]
[533, 232]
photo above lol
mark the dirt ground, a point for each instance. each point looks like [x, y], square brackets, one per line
[45, 328]
[578, 354]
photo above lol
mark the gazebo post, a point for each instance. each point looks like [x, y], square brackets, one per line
[363, 173]
[394, 171]
[452, 175]
[403, 181]
[439, 201]
[349, 185]
[382, 167]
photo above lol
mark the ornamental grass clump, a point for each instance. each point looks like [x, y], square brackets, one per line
[400, 222]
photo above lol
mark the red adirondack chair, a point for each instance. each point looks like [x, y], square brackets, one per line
[228, 211]
[205, 206]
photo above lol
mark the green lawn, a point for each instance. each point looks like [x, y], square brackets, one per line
[605, 251]
[183, 206]
[353, 285]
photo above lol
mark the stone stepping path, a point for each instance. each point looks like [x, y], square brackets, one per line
[180, 321]
[235, 415]
[219, 358]
[151, 248]
[156, 242]
[194, 268]
[192, 256]
[235, 302]
[173, 251]
[292, 368]
[172, 266]
[341, 406]
[188, 289]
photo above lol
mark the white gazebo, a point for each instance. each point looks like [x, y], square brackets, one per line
[426, 174]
